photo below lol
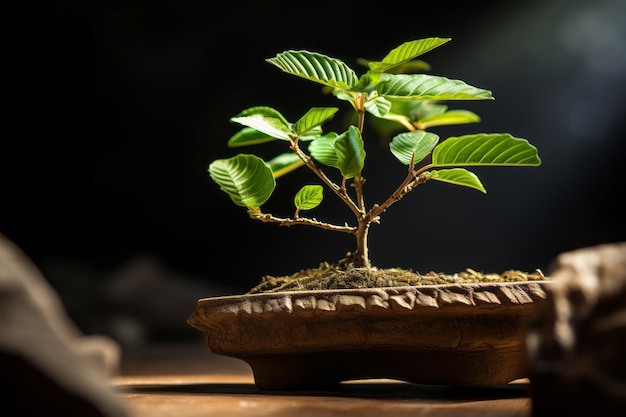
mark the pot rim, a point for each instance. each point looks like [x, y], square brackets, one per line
[371, 290]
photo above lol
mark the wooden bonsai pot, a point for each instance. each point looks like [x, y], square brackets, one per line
[457, 334]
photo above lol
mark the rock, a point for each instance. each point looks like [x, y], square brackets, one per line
[48, 366]
[577, 342]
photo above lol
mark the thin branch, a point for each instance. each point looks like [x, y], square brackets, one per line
[269, 218]
[358, 186]
[358, 179]
[412, 180]
[341, 192]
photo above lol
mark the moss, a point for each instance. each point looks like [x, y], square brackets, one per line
[327, 276]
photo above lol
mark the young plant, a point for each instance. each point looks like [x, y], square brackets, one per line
[399, 99]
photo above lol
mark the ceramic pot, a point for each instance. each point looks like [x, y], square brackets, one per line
[456, 334]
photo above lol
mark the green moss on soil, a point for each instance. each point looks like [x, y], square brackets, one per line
[328, 276]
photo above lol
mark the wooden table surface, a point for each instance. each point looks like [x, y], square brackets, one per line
[188, 381]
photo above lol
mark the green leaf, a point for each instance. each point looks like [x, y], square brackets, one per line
[422, 109]
[313, 118]
[403, 113]
[316, 67]
[427, 87]
[284, 164]
[452, 117]
[350, 151]
[344, 95]
[485, 149]
[458, 176]
[247, 179]
[345, 152]
[309, 197]
[263, 111]
[389, 125]
[266, 120]
[323, 151]
[412, 110]
[406, 52]
[248, 136]
[415, 65]
[311, 134]
[413, 146]
[378, 106]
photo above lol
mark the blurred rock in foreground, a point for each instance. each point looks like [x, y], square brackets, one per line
[577, 342]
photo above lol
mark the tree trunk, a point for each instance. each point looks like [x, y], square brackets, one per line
[361, 256]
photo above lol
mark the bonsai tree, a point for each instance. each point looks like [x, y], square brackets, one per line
[399, 99]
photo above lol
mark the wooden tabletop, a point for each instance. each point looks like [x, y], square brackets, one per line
[188, 381]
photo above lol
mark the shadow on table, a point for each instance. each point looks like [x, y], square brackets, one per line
[390, 390]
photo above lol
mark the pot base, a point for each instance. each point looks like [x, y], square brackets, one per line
[323, 371]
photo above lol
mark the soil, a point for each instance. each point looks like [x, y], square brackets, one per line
[328, 276]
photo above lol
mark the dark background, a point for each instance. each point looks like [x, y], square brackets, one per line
[120, 107]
